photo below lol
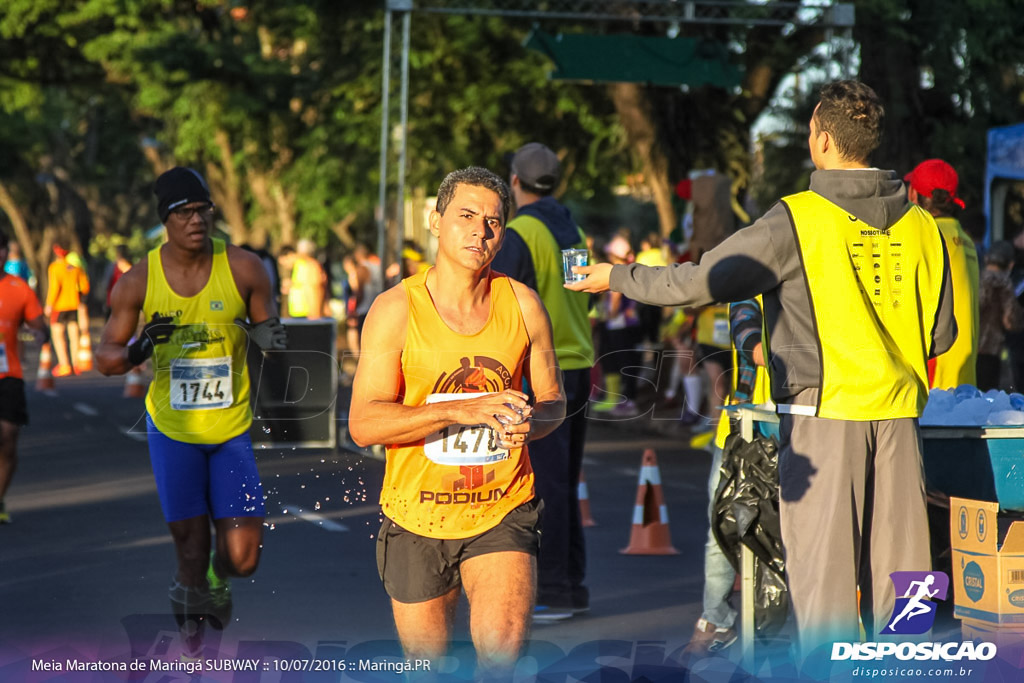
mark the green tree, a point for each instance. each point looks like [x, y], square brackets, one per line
[960, 72]
[69, 159]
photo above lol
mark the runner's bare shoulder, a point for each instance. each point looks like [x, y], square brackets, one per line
[535, 315]
[246, 269]
[388, 316]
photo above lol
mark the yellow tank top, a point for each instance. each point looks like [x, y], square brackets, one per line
[305, 280]
[200, 388]
[874, 298]
[457, 483]
[958, 365]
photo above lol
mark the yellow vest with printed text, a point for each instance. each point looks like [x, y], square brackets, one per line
[874, 297]
[200, 388]
[457, 482]
[958, 365]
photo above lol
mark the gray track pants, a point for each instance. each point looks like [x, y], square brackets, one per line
[853, 510]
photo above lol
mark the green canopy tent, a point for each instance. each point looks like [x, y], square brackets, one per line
[637, 59]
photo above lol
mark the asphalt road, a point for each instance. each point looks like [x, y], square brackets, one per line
[85, 566]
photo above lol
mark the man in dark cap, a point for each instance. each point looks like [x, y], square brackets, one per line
[196, 292]
[532, 254]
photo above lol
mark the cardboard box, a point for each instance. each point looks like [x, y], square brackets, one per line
[988, 576]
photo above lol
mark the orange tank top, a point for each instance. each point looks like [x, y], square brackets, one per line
[457, 482]
[18, 303]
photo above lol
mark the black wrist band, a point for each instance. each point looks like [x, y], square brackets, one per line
[140, 351]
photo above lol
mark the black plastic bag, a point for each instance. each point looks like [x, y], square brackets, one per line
[746, 512]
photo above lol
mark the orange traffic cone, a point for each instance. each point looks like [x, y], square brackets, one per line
[585, 502]
[44, 377]
[83, 362]
[649, 535]
[135, 383]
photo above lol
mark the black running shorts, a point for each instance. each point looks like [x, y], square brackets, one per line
[13, 407]
[415, 568]
[64, 317]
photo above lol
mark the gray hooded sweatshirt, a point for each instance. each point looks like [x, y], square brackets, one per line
[764, 258]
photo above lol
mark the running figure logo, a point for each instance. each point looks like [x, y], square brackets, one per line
[914, 612]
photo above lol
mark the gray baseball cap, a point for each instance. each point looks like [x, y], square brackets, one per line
[537, 166]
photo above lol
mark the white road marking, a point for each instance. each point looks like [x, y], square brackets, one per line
[138, 436]
[86, 409]
[313, 518]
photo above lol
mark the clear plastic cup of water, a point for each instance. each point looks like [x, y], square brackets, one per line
[570, 258]
[505, 421]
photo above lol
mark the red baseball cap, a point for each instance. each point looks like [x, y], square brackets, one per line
[934, 174]
[684, 188]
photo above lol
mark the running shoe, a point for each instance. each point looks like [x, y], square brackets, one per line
[708, 639]
[220, 597]
[190, 607]
[544, 614]
[5, 518]
[702, 440]
[63, 371]
[626, 409]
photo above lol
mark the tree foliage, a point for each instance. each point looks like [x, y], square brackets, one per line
[279, 105]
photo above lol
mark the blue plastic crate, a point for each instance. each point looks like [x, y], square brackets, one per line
[980, 463]
[1007, 458]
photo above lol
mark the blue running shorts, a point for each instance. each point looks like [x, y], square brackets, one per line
[219, 479]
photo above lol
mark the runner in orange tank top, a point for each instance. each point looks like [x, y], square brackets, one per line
[445, 357]
[18, 305]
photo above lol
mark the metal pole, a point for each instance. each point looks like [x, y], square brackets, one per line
[402, 145]
[382, 223]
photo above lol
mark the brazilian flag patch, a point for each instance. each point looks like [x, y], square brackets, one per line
[216, 305]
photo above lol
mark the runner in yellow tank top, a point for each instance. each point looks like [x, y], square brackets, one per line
[195, 293]
[444, 358]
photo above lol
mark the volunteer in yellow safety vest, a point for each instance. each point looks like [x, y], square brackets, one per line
[857, 297]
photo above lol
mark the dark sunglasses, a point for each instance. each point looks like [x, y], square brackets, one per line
[185, 213]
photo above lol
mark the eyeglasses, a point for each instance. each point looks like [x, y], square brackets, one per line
[185, 213]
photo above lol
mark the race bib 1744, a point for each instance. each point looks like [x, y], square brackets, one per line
[201, 383]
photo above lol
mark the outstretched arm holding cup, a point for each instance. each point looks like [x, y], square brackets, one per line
[596, 278]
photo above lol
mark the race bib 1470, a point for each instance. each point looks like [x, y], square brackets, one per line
[462, 444]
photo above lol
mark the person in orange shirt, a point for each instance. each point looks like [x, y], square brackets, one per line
[67, 285]
[18, 304]
[439, 380]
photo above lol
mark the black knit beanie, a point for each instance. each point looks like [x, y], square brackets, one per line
[177, 187]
